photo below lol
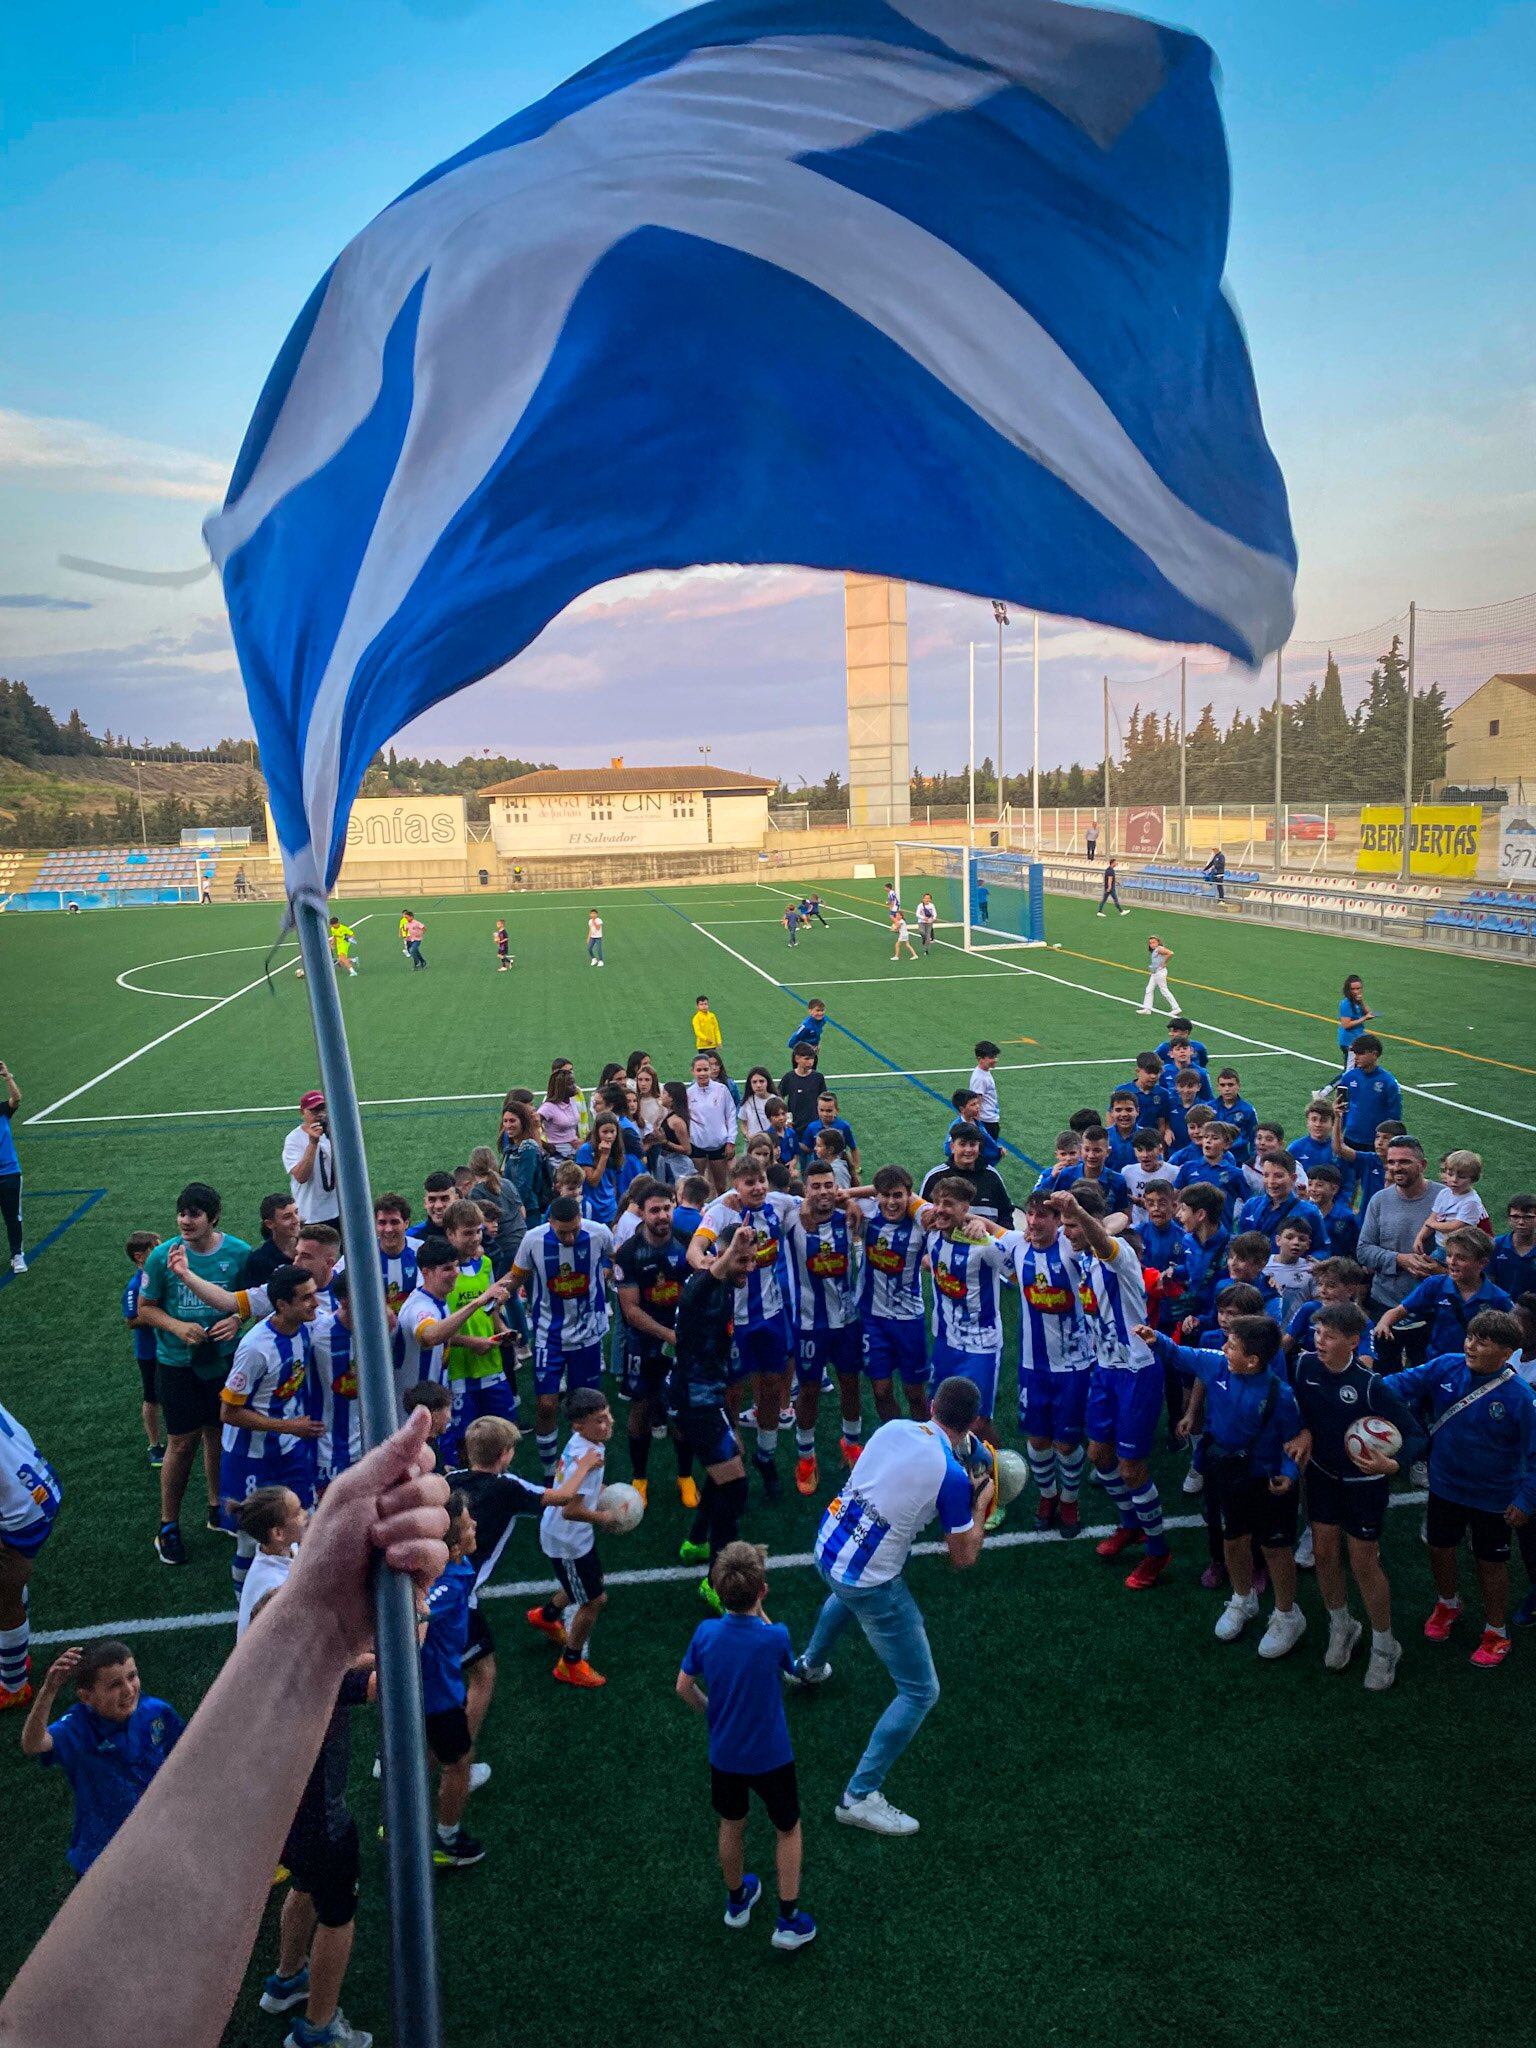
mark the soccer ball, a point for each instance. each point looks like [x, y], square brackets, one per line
[624, 1502]
[1012, 1473]
[1375, 1433]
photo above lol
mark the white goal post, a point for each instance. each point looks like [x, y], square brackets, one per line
[992, 898]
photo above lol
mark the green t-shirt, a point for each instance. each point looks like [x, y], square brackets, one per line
[472, 1365]
[163, 1288]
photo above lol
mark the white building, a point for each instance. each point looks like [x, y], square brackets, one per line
[627, 810]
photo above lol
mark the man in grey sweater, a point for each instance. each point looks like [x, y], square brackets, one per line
[1393, 1220]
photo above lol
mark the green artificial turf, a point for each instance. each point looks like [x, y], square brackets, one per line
[1130, 1832]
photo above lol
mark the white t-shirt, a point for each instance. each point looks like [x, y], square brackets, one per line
[927, 912]
[982, 1084]
[315, 1198]
[1467, 1208]
[907, 1475]
[711, 1116]
[266, 1574]
[901, 930]
[559, 1536]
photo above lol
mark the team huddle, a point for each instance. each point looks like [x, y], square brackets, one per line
[1301, 1321]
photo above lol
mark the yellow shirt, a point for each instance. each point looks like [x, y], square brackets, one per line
[706, 1031]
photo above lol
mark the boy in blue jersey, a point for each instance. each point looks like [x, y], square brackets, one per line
[891, 1313]
[1367, 1095]
[693, 1196]
[1514, 1253]
[109, 1744]
[1247, 1256]
[967, 1106]
[138, 1248]
[1317, 1148]
[742, 1659]
[1250, 1417]
[808, 1031]
[1093, 1170]
[443, 1634]
[1180, 1059]
[1241, 1115]
[1448, 1301]
[1201, 1216]
[1187, 1099]
[1055, 1363]
[1153, 1101]
[1279, 1203]
[1186, 1149]
[1122, 1127]
[1218, 1167]
[1369, 1166]
[1336, 1283]
[1341, 1226]
[1180, 1031]
[1482, 1471]
[792, 921]
[828, 1118]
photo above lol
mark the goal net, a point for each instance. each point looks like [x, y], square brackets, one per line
[986, 899]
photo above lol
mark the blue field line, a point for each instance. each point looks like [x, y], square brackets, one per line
[862, 1043]
[88, 1198]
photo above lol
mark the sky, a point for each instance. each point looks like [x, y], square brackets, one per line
[177, 178]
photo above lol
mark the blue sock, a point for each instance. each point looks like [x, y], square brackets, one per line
[1042, 1469]
[1149, 1513]
[549, 1451]
[1120, 1494]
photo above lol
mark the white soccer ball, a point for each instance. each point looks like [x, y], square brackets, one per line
[624, 1502]
[1012, 1475]
[1373, 1433]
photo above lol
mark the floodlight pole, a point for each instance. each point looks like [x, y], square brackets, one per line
[1000, 613]
[1279, 860]
[1407, 869]
[1183, 783]
[1108, 838]
[1034, 840]
[970, 801]
[417, 2010]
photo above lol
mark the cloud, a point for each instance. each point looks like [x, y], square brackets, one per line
[76, 455]
[31, 601]
[720, 590]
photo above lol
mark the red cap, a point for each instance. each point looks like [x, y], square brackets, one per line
[312, 1099]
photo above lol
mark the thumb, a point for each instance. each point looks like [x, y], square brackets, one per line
[393, 1459]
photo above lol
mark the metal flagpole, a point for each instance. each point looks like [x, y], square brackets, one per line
[417, 2010]
[1108, 842]
[1407, 868]
[1183, 730]
[1034, 843]
[970, 805]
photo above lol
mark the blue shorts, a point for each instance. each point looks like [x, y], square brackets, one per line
[493, 1394]
[708, 1434]
[820, 1350]
[1123, 1410]
[980, 1366]
[241, 1476]
[29, 1541]
[582, 1367]
[765, 1349]
[1052, 1404]
[893, 1349]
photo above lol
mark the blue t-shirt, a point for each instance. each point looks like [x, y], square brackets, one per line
[143, 1340]
[442, 1648]
[1351, 1022]
[1448, 1311]
[1153, 1105]
[109, 1765]
[807, 1032]
[1311, 1152]
[1514, 1271]
[1370, 1099]
[739, 1659]
[9, 1163]
[808, 1133]
[1196, 1046]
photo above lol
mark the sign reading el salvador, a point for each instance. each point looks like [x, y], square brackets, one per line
[1444, 841]
[1517, 843]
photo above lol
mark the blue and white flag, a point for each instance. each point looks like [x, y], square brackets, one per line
[925, 288]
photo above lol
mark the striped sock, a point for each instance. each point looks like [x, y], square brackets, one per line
[1120, 1495]
[767, 1443]
[1069, 1470]
[1149, 1512]
[805, 1442]
[240, 1563]
[13, 1655]
[1042, 1469]
[853, 1431]
[548, 1448]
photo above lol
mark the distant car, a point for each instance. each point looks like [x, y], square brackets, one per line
[1305, 825]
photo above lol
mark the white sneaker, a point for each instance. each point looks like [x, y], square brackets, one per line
[1342, 1638]
[1235, 1616]
[1194, 1481]
[1304, 1558]
[786, 1418]
[19, 1263]
[875, 1812]
[1285, 1631]
[748, 1418]
[801, 1673]
[1382, 1669]
[1418, 1473]
[479, 1774]
[378, 1767]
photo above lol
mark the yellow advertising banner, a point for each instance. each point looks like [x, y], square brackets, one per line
[398, 831]
[1444, 840]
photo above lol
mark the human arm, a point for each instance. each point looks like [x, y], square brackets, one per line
[433, 1331]
[691, 1693]
[12, 1092]
[1095, 1235]
[637, 1317]
[302, 1149]
[35, 1739]
[1379, 1257]
[233, 1409]
[964, 1544]
[1283, 1426]
[1184, 1358]
[176, 1898]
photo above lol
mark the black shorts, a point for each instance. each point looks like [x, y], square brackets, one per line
[325, 1868]
[149, 1380]
[1449, 1521]
[581, 1578]
[712, 1151]
[1357, 1506]
[481, 1643]
[708, 1433]
[779, 1790]
[187, 1403]
[1246, 1506]
[448, 1735]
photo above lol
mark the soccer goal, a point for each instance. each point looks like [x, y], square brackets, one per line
[990, 897]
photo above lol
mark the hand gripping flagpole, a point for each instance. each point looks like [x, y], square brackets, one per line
[416, 2009]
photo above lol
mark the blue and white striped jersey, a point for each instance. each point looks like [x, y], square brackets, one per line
[29, 1487]
[967, 1277]
[869, 1528]
[567, 1285]
[271, 1374]
[822, 1272]
[1119, 1303]
[764, 1294]
[419, 1360]
[1053, 1326]
[891, 1286]
[336, 1370]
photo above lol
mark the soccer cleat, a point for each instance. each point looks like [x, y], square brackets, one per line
[1343, 1635]
[18, 1263]
[786, 1417]
[461, 1852]
[693, 1553]
[738, 1916]
[1305, 1561]
[282, 1994]
[579, 1673]
[793, 1931]
[850, 1450]
[996, 1519]
[156, 1457]
[747, 1419]
[1493, 1649]
[688, 1493]
[537, 1618]
[1069, 1522]
[1193, 1481]
[1235, 1617]
[642, 1487]
[806, 1475]
[709, 1596]
[1418, 1472]
[1443, 1617]
[876, 1813]
[479, 1774]
[169, 1547]
[1382, 1669]
[1118, 1540]
[1148, 1572]
[21, 1697]
[804, 1675]
[338, 2032]
[768, 1472]
[1047, 1511]
[1285, 1631]
[214, 1524]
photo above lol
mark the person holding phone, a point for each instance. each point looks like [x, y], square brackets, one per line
[310, 1162]
[10, 1169]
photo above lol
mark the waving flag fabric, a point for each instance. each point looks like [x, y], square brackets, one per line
[926, 288]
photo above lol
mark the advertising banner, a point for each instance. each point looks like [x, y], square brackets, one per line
[1444, 842]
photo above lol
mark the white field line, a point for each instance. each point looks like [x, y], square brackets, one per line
[656, 1575]
[215, 1003]
[175, 994]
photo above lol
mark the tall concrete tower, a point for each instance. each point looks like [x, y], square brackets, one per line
[879, 762]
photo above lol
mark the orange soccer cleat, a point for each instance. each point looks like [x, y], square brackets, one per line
[806, 1474]
[580, 1673]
